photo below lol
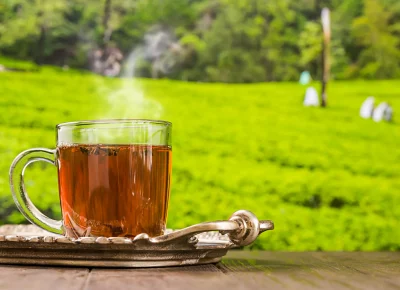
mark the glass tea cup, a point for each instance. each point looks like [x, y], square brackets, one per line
[113, 175]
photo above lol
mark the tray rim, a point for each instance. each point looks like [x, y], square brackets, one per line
[108, 263]
[19, 250]
[201, 243]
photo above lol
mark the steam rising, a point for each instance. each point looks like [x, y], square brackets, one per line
[129, 100]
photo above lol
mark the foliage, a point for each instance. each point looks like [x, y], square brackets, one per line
[328, 178]
[221, 40]
[310, 42]
[373, 30]
[28, 22]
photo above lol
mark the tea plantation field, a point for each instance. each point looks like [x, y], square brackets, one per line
[329, 179]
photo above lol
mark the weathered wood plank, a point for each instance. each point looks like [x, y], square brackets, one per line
[154, 278]
[239, 270]
[317, 270]
[191, 277]
[42, 278]
[255, 270]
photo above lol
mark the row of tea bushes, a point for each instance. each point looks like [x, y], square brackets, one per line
[327, 178]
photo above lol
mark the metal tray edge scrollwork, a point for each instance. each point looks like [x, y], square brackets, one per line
[198, 244]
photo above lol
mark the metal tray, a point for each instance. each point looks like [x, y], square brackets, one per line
[198, 244]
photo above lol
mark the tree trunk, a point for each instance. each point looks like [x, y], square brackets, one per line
[106, 22]
[326, 25]
[41, 44]
[324, 80]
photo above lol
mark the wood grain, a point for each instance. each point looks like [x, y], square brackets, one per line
[239, 270]
[316, 270]
[42, 278]
[191, 277]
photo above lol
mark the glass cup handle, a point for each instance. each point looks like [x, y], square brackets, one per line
[20, 196]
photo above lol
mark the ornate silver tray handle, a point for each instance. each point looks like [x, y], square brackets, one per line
[241, 229]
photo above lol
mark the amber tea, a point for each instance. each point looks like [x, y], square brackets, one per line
[114, 190]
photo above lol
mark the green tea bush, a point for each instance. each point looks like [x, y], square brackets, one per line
[329, 179]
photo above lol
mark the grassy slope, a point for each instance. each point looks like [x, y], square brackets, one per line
[329, 179]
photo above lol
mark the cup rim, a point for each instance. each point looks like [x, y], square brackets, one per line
[112, 121]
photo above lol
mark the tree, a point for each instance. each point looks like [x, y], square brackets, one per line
[232, 53]
[380, 57]
[310, 44]
[220, 40]
[280, 45]
[113, 15]
[31, 21]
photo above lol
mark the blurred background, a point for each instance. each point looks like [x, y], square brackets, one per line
[232, 77]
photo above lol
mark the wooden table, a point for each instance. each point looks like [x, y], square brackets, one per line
[239, 270]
